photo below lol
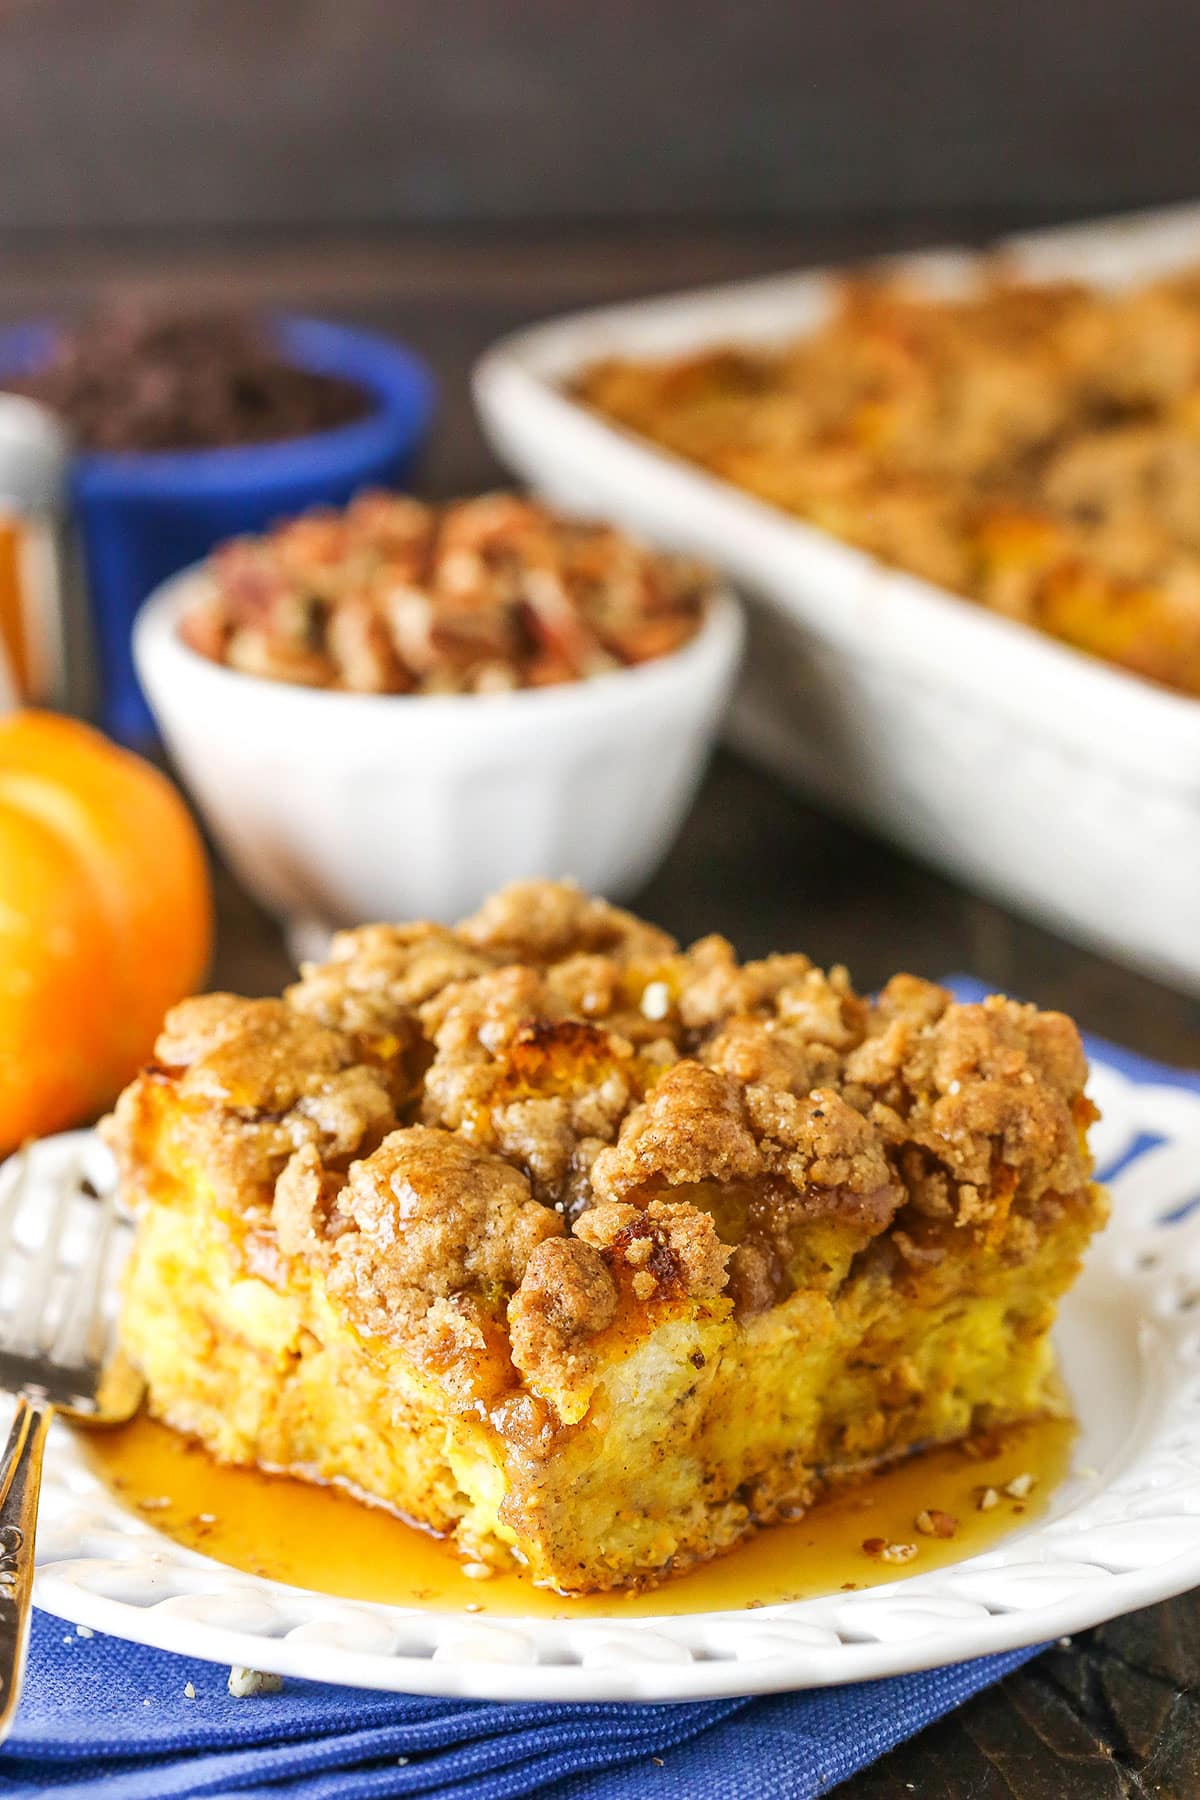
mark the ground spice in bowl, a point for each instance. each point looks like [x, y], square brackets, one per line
[139, 378]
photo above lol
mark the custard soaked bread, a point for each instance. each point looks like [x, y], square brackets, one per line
[594, 1252]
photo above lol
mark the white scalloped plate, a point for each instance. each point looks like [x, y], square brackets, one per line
[1129, 1339]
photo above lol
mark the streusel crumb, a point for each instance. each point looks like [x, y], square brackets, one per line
[760, 1127]
[545, 922]
[595, 1252]
[379, 974]
[566, 1297]
[665, 1250]
[256, 1081]
[516, 1073]
[429, 1210]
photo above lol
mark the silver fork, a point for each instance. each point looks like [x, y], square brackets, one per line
[57, 1354]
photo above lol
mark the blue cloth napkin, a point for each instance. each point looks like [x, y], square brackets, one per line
[106, 1720]
[85, 1732]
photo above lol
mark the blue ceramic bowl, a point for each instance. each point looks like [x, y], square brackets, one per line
[145, 515]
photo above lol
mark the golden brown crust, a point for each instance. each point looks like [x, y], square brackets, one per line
[520, 1058]
[757, 1127]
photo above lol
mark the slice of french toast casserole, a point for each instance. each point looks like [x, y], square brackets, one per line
[592, 1252]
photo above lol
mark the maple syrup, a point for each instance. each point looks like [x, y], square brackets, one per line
[322, 1538]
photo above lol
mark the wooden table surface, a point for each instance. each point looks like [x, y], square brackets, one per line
[1116, 1711]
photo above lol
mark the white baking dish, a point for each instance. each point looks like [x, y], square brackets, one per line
[1062, 786]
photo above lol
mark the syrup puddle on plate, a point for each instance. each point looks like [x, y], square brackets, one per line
[323, 1539]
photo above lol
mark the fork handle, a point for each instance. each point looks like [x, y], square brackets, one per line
[20, 1486]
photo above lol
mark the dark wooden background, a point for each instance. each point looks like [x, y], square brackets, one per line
[210, 114]
[448, 172]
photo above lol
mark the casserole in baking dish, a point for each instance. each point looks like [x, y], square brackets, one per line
[1064, 786]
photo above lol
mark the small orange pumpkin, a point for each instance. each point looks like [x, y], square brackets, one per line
[105, 919]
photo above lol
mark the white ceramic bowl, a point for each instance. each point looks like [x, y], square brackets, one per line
[335, 808]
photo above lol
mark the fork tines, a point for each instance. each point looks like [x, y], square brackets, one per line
[57, 1239]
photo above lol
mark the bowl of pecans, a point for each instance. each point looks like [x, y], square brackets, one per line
[390, 710]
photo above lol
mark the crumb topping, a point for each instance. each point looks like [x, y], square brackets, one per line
[513, 1071]
[501, 1142]
[719, 987]
[692, 1128]
[256, 1081]
[254, 1054]
[432, 1232]
[378, 975]
[566, 1298]
[765, 1053]
[545, 922]
[980, 1088]
[450, 1216]
[701, 1126]
[664, 1250]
